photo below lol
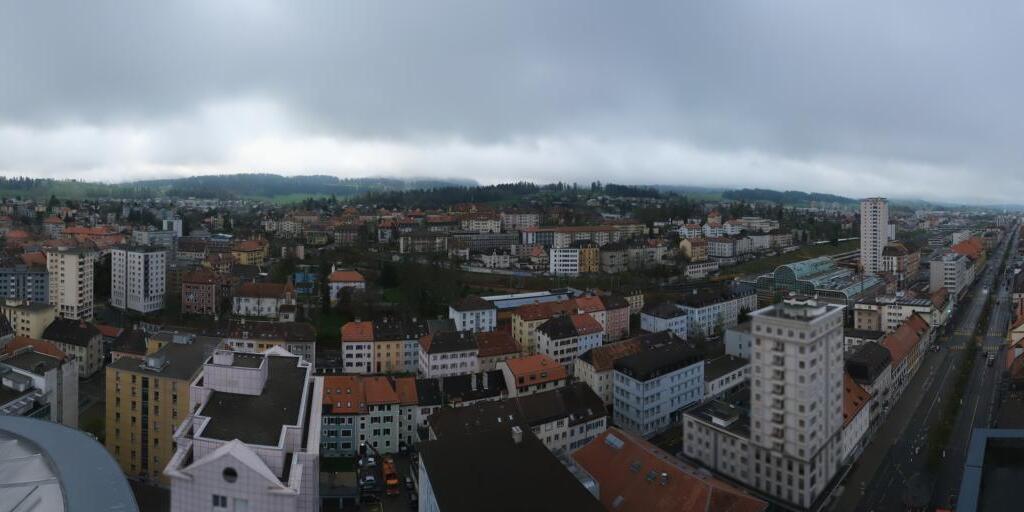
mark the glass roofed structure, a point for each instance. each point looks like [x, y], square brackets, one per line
[819, 277]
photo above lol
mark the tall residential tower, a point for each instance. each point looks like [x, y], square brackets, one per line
[874, 233]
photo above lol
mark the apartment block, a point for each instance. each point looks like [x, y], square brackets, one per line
[651, 387]
[874, 233]
[253, 440]
[147, 400]
[138, 278]
[71, 281]
[28, 319]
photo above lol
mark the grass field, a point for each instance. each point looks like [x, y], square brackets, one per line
[763, 265]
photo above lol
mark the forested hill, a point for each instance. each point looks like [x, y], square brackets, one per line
[230, 186]
[791, 197]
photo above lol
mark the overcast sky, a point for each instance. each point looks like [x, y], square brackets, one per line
[903, 99]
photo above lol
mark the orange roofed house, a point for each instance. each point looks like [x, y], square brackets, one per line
[633, 475]
[376, 410]
[341, 279]
[532, 374]
[906, 345]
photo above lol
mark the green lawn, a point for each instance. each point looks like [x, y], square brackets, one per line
[763, 265]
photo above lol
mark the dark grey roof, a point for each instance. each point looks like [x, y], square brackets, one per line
[258, 419]
[867, 334]
[867, 362]
[577, 402]
[614, 301]
[470, 387]
[72, 332]
[658, 361]
[472, 304]
[663, 310]
[391, 329]
[722, 365]
[559, 327]
[453, 341]
[181, 361]
[32, 361]
[490, 471]
[706, 296]
[131, 341]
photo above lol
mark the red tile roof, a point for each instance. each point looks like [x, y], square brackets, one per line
[855, 398]
[589, 304]
[585, 324]
[603, 358]
[675, 488]
[109, 331]
[496, 343]
[545, 310]
[346, 276]
[263, 290]
[34, 259]
[41, 346]
[343, 394]
[378, 390]
[905, 338]
[535, 369]
[357, 331]
[972, 248]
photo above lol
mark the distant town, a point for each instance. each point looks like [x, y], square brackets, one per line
[519, 347]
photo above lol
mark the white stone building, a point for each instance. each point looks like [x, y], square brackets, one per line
[874, 233]
[138, 278]
[71, 281]
[253, 442]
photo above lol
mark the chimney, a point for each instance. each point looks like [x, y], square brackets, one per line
[517, 435]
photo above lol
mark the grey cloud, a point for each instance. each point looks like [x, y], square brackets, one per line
[874, 92]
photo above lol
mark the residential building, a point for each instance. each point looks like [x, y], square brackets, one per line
[39, 381]
[565, 261]
[129, 343]
[376, 410]
[856, 418]
[22, 281]
[396, 344]
[887, 312]
[951, 271]
[340, 280]
[528, 375]
[71, 281]
[695, 249]
[473, 314]
[564, 419]
[79, 339]
[738, 340]
[907, 345]
[146, 402]
[265, 300]
[901, 262]
[448, 353]
[501, 463]
[253, 440]
[874, 233]
[495, 347]
[870, 366]
[153, 237]
[357, 347]
[297, 338]
[633, 475]
[664, 316]
[515, 220]
[724, 373]
[528, 317]
[566, 336]
[251, 252]
[28, 319]
[137, 278]
[595, 367]
[201, 293]
[652, 386]
[711, 310]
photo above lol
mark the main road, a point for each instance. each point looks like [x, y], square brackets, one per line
[891, 473]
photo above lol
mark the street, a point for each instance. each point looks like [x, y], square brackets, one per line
[891, 473]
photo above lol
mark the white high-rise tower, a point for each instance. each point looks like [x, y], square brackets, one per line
[874, 233]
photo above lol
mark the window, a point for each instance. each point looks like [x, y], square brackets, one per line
[220, 502]
[230, 475]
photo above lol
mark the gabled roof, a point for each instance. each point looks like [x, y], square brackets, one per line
[535, 369]
[357, 331]
[855, 398]
[544, 310]
[471, 303]
[73, 332]
[346, 276]
[41, 346]
[496, 343]
[660, 483]
[905, 338]
[261, 290]
[245, 456]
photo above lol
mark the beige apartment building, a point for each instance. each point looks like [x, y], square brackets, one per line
[28, 319]
[71, 281]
